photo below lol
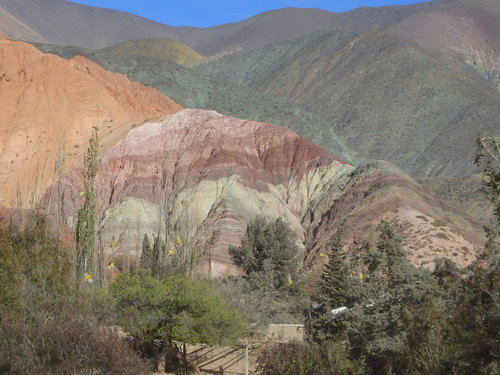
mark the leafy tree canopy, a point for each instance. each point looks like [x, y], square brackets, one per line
[174, 309]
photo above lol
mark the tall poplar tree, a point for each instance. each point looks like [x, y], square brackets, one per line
[85, 231]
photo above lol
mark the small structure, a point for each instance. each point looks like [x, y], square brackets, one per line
[340, 310]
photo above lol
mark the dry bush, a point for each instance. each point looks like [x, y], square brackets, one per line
[46, 325]
[64, 337]
[297, 358]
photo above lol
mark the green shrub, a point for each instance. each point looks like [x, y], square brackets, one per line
[158, 312]
[46, 326]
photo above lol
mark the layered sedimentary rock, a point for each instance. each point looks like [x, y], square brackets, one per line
[201, 176]
[194, 90]
[430, 227]
[49, 106]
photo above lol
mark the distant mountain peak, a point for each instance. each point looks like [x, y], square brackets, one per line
[66, 23]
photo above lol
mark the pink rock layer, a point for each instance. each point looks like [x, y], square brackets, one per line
[203, 176]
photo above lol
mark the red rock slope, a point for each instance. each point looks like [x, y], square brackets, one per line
[49, 106]
[202, 176]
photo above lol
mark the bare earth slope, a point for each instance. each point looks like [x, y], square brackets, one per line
[465, 193]
[384, 96]
[49, 106]
[67, 23]
[202, 176]
[287, 23]
[441, 23]
[462, 30]
[15, 29]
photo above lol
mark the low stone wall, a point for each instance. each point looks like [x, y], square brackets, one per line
[228, 360]
[241, 359]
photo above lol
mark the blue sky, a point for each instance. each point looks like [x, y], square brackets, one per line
[204, 13]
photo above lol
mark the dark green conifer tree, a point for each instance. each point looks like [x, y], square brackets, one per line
[267, 255]
[156, 258]
[337, 289]
[147, 253]
[335, 286]
[270, 249]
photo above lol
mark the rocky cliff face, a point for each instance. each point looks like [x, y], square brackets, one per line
[201, 176]
[49, 106]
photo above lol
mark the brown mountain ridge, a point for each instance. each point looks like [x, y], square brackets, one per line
[382, 94]
[66, 23]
